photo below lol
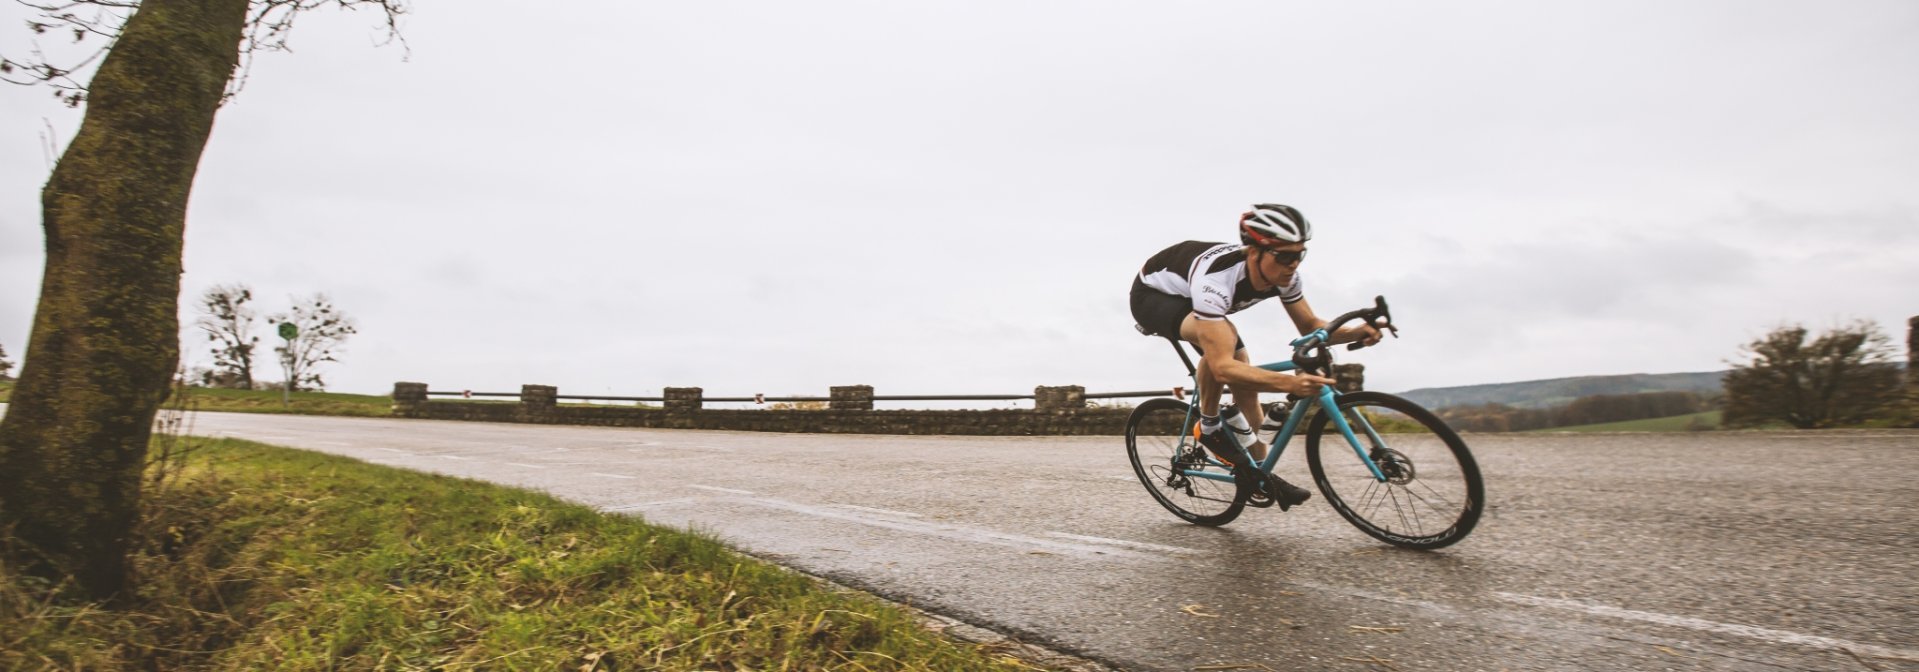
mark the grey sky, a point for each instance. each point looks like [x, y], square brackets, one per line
[928, 198]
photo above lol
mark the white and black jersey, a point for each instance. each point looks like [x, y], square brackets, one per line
[1213, 276]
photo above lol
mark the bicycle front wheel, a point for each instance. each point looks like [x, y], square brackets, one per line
[1432, 495]
[1159, 440]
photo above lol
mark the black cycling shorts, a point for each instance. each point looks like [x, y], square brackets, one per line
[1161, 313]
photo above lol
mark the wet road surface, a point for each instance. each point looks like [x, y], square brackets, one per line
[1708, 551]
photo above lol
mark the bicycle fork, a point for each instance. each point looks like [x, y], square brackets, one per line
[1331, 407]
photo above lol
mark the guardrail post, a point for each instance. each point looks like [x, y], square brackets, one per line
[541, 397]
[1351, 377]
[680, 399]
[851, 398]
[1061, 398]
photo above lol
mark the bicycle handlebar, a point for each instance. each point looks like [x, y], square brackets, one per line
[1379, 316]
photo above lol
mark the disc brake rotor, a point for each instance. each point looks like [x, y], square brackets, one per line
[1395, 465]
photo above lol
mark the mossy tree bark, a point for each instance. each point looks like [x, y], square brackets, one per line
[105, 335]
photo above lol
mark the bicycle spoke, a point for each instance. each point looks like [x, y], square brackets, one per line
[1450, 506]
[1397, 509]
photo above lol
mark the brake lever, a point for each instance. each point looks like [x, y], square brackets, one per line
[1380, 322]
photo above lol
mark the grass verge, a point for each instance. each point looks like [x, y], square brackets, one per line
[267, 401]
[270, 558]
[1692, 422]
[299, 403]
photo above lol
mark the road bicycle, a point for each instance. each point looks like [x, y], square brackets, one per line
[1413, 483]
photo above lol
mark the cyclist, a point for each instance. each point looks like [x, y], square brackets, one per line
[1187, 290]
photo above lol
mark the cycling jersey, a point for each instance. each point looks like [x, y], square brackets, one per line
[1213, 276]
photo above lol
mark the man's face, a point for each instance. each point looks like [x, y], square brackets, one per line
[1282, 260]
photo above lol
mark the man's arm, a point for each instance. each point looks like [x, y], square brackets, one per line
[1216, 340]
[1307, 322]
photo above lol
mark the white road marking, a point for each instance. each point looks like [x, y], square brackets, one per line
[523, 464]
[1141, 545]
[333, 443]
[719, 489]
[462, 458]
[648, 505]
[696, 446]
[889, 512]
[949, 531]
[609, 475]
[1747, 631]
[396, 450]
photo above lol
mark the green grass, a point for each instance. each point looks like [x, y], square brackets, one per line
[300, 403]
[271, 558]
[1707, 420]
[268, 401]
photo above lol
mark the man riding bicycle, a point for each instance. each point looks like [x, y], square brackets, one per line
[1187, 290]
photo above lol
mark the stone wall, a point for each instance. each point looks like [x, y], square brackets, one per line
[1060, 410]
[1008, 422]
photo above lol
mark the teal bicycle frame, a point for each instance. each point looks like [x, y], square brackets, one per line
[1328, 399]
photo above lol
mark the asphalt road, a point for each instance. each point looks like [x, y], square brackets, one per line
[1711, 551]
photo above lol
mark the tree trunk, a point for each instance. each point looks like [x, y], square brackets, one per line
[1912, 370]
[106, 332]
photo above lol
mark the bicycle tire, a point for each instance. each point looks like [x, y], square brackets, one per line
[1432, 457]
[1156, 444]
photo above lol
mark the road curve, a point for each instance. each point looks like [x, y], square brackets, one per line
[1709, 551]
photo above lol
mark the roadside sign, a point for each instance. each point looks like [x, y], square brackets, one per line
[288, 331]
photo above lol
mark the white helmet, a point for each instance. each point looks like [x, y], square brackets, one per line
[1271, 224]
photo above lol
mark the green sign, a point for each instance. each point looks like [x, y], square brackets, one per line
[288, 331]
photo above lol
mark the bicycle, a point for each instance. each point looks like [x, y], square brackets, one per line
[1420, 489]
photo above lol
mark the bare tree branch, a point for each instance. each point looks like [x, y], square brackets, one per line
[269, 25]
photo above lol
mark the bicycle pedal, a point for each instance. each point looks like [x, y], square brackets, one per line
[1259, 500]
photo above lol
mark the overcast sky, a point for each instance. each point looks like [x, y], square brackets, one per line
[952, 197]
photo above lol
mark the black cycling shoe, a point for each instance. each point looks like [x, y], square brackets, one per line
[1220, 444]
[1286, 494]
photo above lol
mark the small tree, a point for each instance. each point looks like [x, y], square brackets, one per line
[227, 321]
[320, 330]
[6, 365]
[1843, 377]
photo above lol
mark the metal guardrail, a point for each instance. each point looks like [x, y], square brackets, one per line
[765, 399]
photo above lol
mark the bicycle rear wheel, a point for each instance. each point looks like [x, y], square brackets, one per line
[1159, 440]
[1432, 495]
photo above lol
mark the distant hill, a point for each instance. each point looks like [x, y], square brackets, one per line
[1558, 391]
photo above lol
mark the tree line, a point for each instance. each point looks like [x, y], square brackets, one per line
[1590, 410]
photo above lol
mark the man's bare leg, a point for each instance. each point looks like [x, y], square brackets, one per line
[1211, 389]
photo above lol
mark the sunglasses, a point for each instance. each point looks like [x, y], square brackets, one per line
[1287, 258]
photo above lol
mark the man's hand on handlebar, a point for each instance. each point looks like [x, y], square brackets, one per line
[1363, 334]
[1306, 384]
